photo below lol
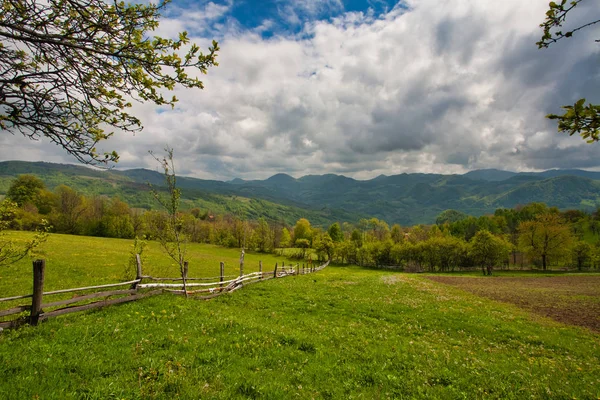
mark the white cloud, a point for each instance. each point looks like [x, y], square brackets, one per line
[198, 19]
[295, 12]
[440, 86]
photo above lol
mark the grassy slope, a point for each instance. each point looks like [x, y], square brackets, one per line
[75, 261]
[341, 333]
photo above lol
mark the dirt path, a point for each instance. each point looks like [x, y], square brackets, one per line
[572, 300]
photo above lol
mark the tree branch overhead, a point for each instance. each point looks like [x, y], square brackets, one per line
[69, 69]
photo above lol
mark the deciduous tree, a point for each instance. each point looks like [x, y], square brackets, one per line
[172, 237]
[286, 239]
[70, 206]
[396, 233]
[335, 232]
[324, 245]
[24, 189]
[263, 235]
[488, 250]
[581, 253]
[544, 237]
[302, 230]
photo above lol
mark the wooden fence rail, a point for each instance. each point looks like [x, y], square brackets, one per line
[14, 310]
[216, 287]
[25, 296]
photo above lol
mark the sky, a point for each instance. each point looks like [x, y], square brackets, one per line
[362, 88]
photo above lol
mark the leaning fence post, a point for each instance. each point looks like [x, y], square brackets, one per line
[222, 272]
[39, 266]
[275, 272]
[260, 269]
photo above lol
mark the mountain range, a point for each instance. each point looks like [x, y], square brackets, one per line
[406, 199]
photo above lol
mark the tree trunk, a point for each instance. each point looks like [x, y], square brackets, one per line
[184, 272]
[544, 261]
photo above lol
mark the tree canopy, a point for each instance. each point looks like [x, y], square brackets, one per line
[335, 232]
[545, 237]
[69, 69]
[488, 250]
[302, 230]
[25, 189]
[450, 216]
[578, 118]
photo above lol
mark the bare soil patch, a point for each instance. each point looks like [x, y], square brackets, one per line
[572, 300]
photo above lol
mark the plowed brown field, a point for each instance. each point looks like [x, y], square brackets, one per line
[572, 300]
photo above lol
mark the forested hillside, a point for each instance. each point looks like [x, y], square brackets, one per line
[406, 199]
[542, 234]
[132, 187]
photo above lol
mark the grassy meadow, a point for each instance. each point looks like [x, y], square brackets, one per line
[75, 261]
[341, 333]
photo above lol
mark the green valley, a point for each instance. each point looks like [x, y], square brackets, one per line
[406, 199]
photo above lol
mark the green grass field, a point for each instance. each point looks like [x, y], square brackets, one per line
[342, 333]
[75, 261]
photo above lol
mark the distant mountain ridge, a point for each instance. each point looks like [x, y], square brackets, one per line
[491, 175]
[405, 198]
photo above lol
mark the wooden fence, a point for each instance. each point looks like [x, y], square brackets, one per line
[142, 286]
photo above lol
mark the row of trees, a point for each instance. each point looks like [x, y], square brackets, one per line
[532, 234]
[67, 211]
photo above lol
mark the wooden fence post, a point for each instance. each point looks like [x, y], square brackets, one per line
[260, 269]
[186, 266]
[222, 272]
[138, 270]
[39, 267]
[138, 262]
[242, 263]
[275, 272]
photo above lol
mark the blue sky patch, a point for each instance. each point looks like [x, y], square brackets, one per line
[277, 17]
